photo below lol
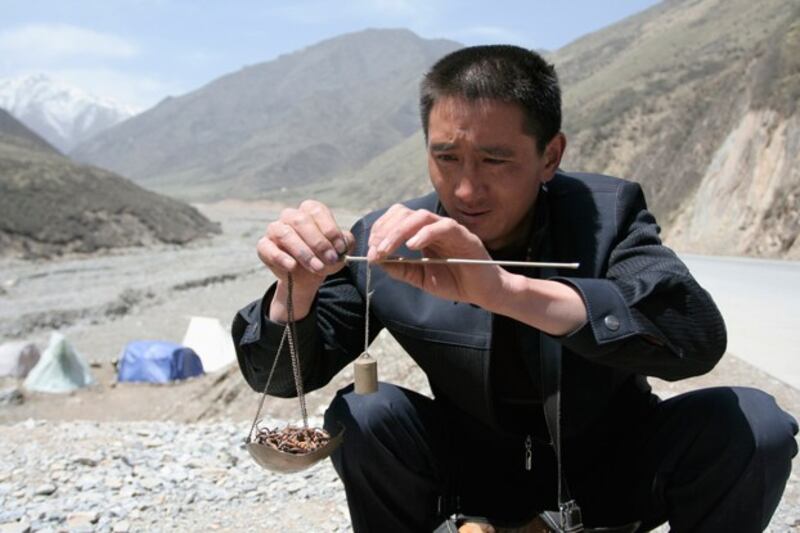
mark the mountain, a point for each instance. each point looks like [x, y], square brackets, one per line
[62, 114]
[52, 206]
[300, 119]
[694, 99]
[400, 172]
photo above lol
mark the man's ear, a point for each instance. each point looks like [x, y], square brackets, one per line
[552, 155]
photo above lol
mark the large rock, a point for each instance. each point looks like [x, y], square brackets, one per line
[17, 358]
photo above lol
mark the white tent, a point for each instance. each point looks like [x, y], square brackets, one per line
[61, 368]
[17, 358]
[211, 342]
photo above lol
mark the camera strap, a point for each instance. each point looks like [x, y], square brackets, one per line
[568, 518]
[569, 514]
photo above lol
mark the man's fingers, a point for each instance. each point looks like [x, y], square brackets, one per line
[311, 234]
[324, 220]
[411, 274]
[407, 228]
[276, 259]
[403, 227]
[349, 241]
[291, 243]
[385, 223]
[444, 228]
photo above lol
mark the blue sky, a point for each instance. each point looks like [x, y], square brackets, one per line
[139, 51]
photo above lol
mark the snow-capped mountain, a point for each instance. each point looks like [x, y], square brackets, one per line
[64, 115]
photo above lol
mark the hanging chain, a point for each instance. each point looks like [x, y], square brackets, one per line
[266, 387]
[293, 340]
[289, 332]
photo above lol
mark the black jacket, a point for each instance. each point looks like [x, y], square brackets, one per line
[647, 314]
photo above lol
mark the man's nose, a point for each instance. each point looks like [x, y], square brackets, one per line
[468, 186]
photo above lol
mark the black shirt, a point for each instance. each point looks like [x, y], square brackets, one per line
[516, 384]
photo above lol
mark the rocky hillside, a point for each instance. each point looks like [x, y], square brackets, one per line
[400, 172]
[299, 119]
[52, 206]
[14, 134]
[748, 201]
[696, 99]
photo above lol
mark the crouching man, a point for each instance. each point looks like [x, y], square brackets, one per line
[708, 460]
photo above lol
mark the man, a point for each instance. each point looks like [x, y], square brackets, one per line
[711, 460]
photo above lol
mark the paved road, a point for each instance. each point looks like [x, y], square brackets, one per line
[760, 301]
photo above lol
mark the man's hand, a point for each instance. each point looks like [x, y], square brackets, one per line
[550, 306]
[435, 236]
[308, 243]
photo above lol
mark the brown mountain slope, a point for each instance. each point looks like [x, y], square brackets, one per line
[399, 173]
[299, 119]
[748, 201]
[15, 133]
[684, 105]
[51, 206]
[696, 100]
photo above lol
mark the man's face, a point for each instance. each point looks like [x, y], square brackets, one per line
[485, 168]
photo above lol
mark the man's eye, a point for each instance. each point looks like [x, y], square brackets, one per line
[493, 161]
[446, 157]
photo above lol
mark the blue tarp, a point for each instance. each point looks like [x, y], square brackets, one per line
[158, 362]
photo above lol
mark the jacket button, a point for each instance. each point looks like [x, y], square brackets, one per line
[611, 322]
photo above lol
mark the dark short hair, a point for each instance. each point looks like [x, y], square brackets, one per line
[498, 72]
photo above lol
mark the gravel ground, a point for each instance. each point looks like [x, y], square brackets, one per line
[166, 476]
[89, 461]
[137, 476]
[74, 293]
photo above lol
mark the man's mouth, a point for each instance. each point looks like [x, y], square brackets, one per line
[471, 215]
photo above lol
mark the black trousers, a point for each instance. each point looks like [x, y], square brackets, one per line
[709, 460]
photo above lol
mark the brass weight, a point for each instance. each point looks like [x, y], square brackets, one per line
[365, 374]
[365, 368]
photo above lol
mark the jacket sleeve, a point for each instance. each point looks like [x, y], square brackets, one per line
[648, 314]
[329, 337]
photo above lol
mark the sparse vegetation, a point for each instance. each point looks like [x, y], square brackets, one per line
[51, 206]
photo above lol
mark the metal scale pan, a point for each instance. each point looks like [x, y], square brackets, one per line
[272, 458]
[286, 463]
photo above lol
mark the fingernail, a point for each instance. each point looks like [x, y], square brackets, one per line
[288, 264]
[340, 246]
[371, 253]
[384, 245]
[316, 264]
[412, 241]
[331, 257]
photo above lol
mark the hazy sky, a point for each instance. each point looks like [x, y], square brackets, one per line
[139, 51]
